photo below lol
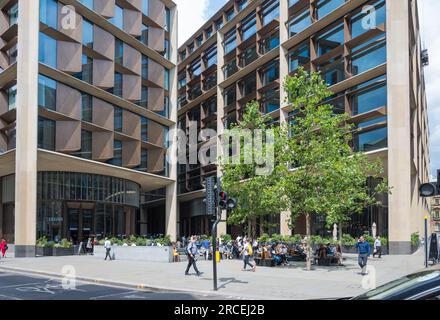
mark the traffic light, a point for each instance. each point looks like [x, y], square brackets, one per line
[431, 189]
[226, 203]
[428, 190]
[222, 199]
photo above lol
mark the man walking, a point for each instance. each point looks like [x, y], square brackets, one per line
[191, 251]
[377, 248]
[108, 248]
[247, 253]
[364, 252]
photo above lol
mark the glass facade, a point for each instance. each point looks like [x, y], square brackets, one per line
[77, 206]
[47, 50]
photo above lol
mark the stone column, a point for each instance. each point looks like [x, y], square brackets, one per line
[284, 72]
[27, 131]
[171, 207]
[399, 119]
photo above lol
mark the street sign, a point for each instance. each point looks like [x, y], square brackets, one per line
[211, 206]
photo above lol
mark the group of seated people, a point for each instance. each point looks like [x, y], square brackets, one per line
[326, 254]
[280, 252]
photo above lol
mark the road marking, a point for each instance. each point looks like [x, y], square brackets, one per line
[114, 294]
[8, 297]
[21, 285]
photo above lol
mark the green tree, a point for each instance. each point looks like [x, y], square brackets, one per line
[328, 177]
[255, 184]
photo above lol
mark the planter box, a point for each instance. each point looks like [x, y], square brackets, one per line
[61, 252]
[147, 254]
[44, 251]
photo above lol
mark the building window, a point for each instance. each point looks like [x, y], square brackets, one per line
[357, 27]
[211, 57]
[332, 70]
[230, 68]
[117, 154]
[330, 39]
[12, 54]
[324, 7]
[86, 145]
[219, 24]
[144, 70]
[13, 14]
[144, 35]
[117, 89]
[49, 13]
[229, 95]
[46, 134]
[118, 119]
[248, 85]
[166, 79]
[299, 57]
[118, 19]
[270, 100]
[87, 33]
[199, 40]
[230, 14]
[86, 107]
[242, 4]
[300, 22]
[270, 73]
[269, 43]
[270, 11]
[119, 51]
[248, 27]
[145, 7]
[12, 97]
[369, 98]
[368, 56]
[144, 129]
[144, 161]
[144, 97]
[208, 33]
[371, 140]
[167, 26]
[229, 43]
[47, 50]
[47, 92]
[195, 68]
[86, 74]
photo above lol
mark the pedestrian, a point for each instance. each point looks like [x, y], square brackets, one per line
[108, 248]
[89, 246]
[364, 252]
[377, 248]
[247, 253]
[191, 251]
[206, 245]
[3, 248]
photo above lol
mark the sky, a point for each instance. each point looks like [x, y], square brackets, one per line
[194, 13]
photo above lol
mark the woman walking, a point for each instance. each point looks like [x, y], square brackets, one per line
[3, 248]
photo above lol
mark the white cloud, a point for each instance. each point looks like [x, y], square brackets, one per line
[430, 24]
[192, 15]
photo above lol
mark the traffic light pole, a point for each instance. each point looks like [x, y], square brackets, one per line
[214, 248]
[426, 243]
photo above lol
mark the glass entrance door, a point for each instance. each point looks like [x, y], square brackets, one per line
[73, 225]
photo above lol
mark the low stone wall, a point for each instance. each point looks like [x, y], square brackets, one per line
[147, 254]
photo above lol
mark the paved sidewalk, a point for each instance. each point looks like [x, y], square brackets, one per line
[265, 283]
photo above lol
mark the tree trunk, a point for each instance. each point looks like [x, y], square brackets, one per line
[261, 226]
[309, 245]
[249, 231]
[254, 228]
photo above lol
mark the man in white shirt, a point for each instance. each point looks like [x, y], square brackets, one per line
[377, 248]
[108, 248]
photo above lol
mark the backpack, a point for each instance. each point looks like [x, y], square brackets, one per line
[249, 250]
